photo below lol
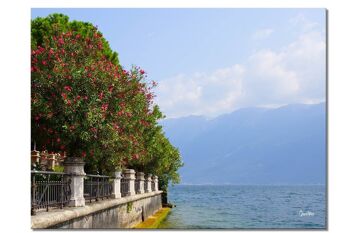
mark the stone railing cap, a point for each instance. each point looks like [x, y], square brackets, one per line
[118, 174]
[128, 171]
[73, 161]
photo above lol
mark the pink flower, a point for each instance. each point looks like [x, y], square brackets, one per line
[68, 88]
[110, 89]
[104, 107]
[61, 41]
[115, 126]
[120, 113]
[100, 96]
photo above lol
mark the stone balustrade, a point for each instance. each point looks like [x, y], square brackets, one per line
[122, 184]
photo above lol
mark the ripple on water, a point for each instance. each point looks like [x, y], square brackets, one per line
[219, 207]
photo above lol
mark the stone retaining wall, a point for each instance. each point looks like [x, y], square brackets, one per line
[123, 212]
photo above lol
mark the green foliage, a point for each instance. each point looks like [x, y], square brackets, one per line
[83, 103]
[58, 168]
[43, 29]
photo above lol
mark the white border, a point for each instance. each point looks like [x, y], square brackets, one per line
[15, 111]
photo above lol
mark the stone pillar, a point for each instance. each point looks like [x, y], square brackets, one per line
[129, 175]
[116, 185]
[59, 159]
[35, 156]
[149, 183]
[155, 179]
[74, 166]
[43, 160]
[51, 161]
[140, 177]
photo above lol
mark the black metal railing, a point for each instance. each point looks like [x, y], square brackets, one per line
[145, 186]
[97, 187]
[124, 187]
[49, 189]
[137, 186]
[153, 186]
[53, 189]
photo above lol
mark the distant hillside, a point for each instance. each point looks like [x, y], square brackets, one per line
[286, 145]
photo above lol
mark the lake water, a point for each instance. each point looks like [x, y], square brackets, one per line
[235, 206]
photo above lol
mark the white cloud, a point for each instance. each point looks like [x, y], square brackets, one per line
[302, 22]
[262, 33]
[293, 74]
[200, 93]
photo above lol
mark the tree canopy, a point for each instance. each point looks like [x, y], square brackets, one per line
[85, 104]
[55, 24]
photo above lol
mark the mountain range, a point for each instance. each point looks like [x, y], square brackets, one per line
[285, 145]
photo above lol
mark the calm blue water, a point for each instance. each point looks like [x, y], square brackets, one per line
[235, 206]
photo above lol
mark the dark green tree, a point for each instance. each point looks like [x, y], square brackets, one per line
[84, 103]
[55, 24]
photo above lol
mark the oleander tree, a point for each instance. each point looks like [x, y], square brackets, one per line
[45, 28]
[85, 104]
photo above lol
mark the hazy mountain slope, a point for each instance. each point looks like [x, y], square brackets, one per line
[286, 145]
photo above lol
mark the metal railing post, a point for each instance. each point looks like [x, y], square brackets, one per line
[98, 189]
[62, 194]
[47, 192]
[33, 186]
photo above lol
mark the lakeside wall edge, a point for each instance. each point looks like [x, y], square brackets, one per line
[68, 217]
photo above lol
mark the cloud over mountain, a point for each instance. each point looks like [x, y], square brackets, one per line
[294, 73]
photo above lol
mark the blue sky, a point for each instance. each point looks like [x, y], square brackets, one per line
[214, 61]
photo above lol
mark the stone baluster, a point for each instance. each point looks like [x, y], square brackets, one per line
[129, 175]
[149, 183]
[35, 156]
[51, 161]
[140, 177]
[155, 179]
[74, 166]
[116, 185]
[43, 160]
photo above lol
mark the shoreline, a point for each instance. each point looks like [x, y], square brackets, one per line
[153, 221]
